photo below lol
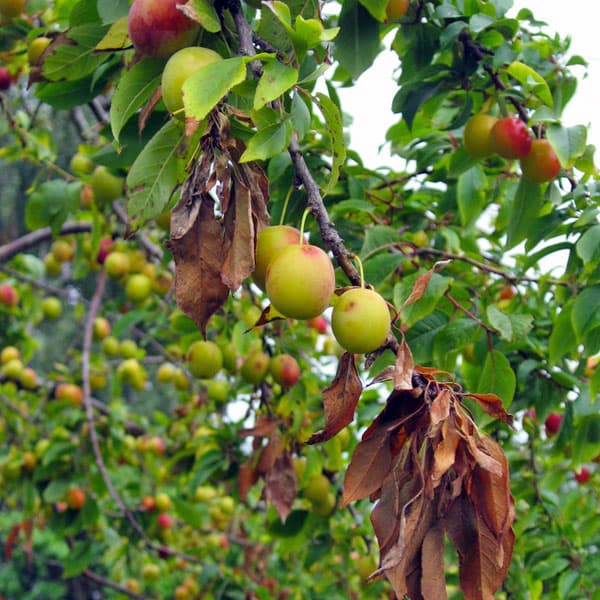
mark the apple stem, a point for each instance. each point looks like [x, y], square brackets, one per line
[360, 270]
[302, 223]
[285, 204]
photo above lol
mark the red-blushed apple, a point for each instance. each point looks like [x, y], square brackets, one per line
[157, 28]
[541, 164]
[69, 391]
[511, 138]
[477, 138]
[285, 369]
[269, 242]
[255, 367]
[8, 295]
[28, 378]
[148, 503]
[75, 498]
[104, 249]
[583, 475]
[396, 9]
[179, 67]
[205, 359]
[5, 79]
[360, 320]
[552, 423]
[300, 281]
[164, 521]
[507, 292]
[319, 323]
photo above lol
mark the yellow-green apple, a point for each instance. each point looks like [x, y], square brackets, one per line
[116, 264]
[100, 328]
[138, 288]
[285, 370]
[106, 186]
[255, 367]
[300, 281]
[541, 164]
[205, 359]
[360, 320]
[62, 250]
[9, 353]
[51, 307]
[81, 164]
[511, 138]
[179, 67]
[70, 392]
[158, 28]
[36, 48]
[477, 137]
[269, 242]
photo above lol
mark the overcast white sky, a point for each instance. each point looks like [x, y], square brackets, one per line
[370, 101]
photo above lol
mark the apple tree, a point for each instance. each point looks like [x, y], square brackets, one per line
[236, 362]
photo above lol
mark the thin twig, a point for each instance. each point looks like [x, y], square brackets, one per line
[14, 408]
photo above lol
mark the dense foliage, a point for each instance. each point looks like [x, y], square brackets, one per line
[138, 461]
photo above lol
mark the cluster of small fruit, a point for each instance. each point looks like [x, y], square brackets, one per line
[485, 135]
[299, 280]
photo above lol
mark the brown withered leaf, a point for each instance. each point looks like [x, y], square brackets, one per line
[405, 366]
[492, 405]
[444, 454]
[281, 484]
[478, 550]
[198, 254]
[264, 426]
[440, 407]
[433, 580]
[148, 108]
[339, 399]
[421, 283]
[247, 477]
[371, 462]
[270, 453]
[269, 314]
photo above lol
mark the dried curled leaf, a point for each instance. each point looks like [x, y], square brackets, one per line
[280, 485]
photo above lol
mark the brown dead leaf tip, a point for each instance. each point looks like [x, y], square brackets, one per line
[432, 474]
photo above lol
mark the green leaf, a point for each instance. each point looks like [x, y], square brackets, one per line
[112, 10]
[335, 128]
[56, 490]
[358, 43]
[133, 90]
[586, 313]
[426, 304]
[588, 246]
[377, 238]
[154, 175]
[51, 203]
[569, 143]
[74, 61]
[206, 15]
[275, 80]
[470, 194]
[300, 116]
[68, 94]
[380, 267]
[268, 142]
[531, 79]
[586, 445]
[547, 569]
[498, 378]
[203, 90]
[453, 337]
[377, 8]
[78, 559]
[188, 512]
[500, 321]
[421, 336]
[527, 203]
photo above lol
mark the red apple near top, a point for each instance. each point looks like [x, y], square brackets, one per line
[552, 423]
[583, 475]
[511, 138]
[157, 28]
[8, 295]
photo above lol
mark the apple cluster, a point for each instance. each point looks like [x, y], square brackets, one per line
[485, 135]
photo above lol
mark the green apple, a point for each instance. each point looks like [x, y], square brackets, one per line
[269, 242]
[477, 138]
[300, 281]
[217, 390]
[166, 372]
[62, 250]
[179, 67]
[9, 353]
[138, 288]
[255, 367]
[360, 320]
[81, 164]
[117, 264]
[317, 488]
[51, 307]
[205, 359]
[100, 328]
[106, 186]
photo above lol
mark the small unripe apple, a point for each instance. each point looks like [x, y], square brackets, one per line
[36, 48]
[29, 461]
[477, 137]
[75, 498]
[12, 369]
[131, 371]
[217, 390]
[325, 506]
[11, 8]
[420, 239]
[133, 585]
[110, 346]
[179, 67]
[511, 138]
[360, 320]
[62, 250]
[138, 288]
[552, 423]
[106, 186]
[163, 221]
[583, 475]
[541, 164]
[163, 502]
[150, 572]
[51, 307]
[317, 488]
[166, 372]
[116, 264]
[28, 378]
[97, 380]
[81, 164]
[180, 380]
[71, 392]
[269, 242]
[300, 281]
[285, 370]
[231, 359]
[205, 493]
[8, 295]
[205, 359]
[9, 353]
[365, 565]
[53, 267]
[396, 9]
[255, 367]
[157, 28]
[101, 328]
